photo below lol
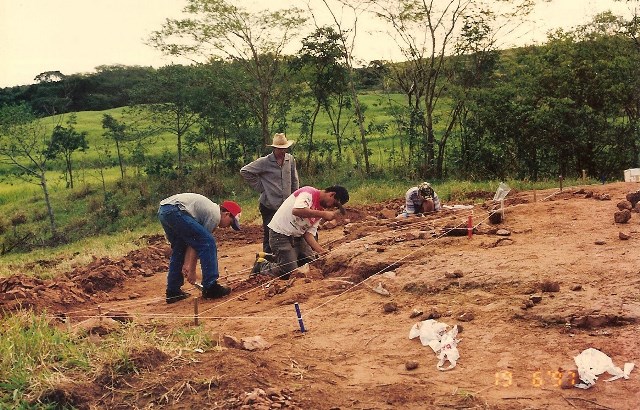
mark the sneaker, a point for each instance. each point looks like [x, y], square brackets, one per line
[215, 291]
[173, 297]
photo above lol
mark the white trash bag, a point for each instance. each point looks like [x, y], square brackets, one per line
[592, 363]
[440, 339]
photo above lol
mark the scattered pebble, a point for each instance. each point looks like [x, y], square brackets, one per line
[622, 217]
[411, 365]
[466, 317]
[390, 307]
[550, 286]
[535, 298]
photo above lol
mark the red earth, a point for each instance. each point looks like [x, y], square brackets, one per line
[556, 276]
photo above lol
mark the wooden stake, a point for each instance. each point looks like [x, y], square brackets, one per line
[561, 179]
[195, 311]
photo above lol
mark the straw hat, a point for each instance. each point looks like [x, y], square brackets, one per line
[281, 141]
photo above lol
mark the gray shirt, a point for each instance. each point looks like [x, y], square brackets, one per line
[201, 208]
[275, 183]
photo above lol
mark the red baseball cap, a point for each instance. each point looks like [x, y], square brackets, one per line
[235, 210]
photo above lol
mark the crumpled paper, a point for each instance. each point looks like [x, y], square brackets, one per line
[592, 363]
[440, 339]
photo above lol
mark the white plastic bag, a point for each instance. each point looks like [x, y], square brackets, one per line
[441, 340]
[501, 192]
[592, 363]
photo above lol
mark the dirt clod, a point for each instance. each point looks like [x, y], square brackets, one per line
[411, 365]
[622, 217]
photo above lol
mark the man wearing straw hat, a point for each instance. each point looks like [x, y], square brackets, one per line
[275, 176]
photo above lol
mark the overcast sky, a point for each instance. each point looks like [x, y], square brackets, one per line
[75, 36]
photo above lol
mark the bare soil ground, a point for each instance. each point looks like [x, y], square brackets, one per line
[555, 277]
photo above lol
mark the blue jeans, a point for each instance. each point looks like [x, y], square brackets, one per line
[183, 230]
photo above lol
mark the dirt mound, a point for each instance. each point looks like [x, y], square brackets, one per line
[99, 281]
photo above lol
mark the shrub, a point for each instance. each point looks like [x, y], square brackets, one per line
[18, 219]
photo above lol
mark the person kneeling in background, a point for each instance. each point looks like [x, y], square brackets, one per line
[189, 220]
[420, 199]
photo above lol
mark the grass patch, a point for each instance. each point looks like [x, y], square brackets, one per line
[38, 360]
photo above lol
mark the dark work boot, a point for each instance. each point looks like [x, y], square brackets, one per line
[215, 291]
[173, 297]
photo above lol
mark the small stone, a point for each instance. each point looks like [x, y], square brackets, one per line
[600, 242]
[622, 217]
[231, 342]
[415, 313]
[387, 213]
[380, 290]
[466, 317]
[255, 343]
[434, 314]
[495, 217]
[550, 286]
[503, 232]
[535, 298]
[622, 205]
[411, 365]
[455, 274]
[623, 236]
[390, 307]
[576, 288]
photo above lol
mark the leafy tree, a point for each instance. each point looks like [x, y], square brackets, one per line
[426, 32]
[23, 145]
[168, 97]
[65, 141]
[225, 120]
[347, 40]
[52, 95]
[116, 131]
[254, 41]
[321, 60]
